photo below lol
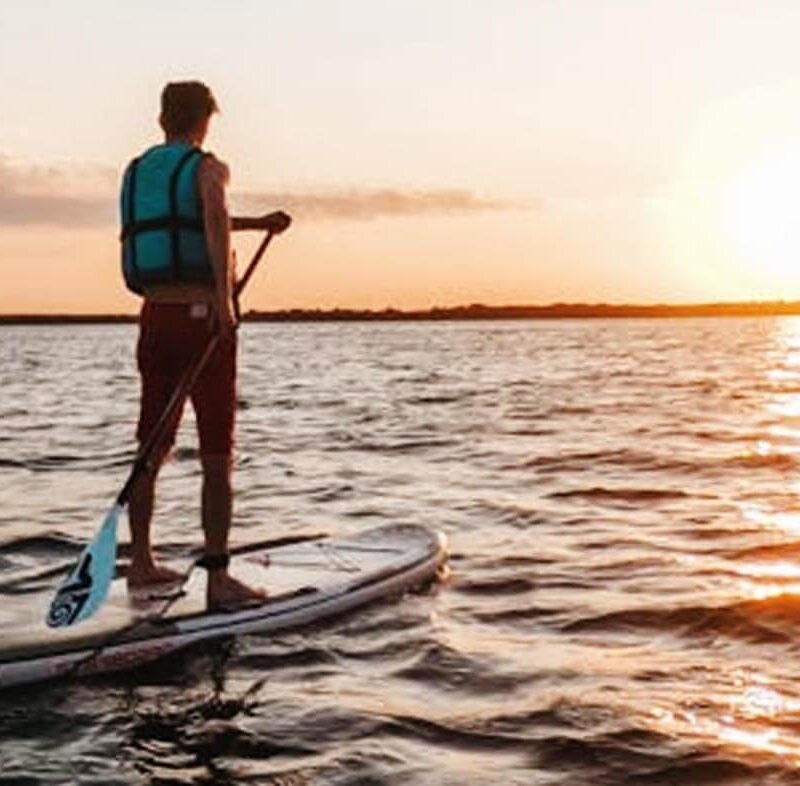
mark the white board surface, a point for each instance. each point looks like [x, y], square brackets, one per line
[307, 581]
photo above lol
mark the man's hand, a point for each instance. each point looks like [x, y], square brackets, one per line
[276, 222]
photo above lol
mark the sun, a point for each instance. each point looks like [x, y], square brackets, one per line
[759, 210]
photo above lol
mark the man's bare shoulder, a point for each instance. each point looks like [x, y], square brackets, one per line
[214, 170]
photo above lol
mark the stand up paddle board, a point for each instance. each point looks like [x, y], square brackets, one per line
[307, 581]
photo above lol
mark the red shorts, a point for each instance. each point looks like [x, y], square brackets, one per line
[171, 336]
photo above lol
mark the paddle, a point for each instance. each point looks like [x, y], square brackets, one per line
[83, 591]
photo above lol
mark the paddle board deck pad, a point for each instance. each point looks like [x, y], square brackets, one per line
[307, 581]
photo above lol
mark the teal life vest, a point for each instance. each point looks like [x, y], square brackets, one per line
[163, 239]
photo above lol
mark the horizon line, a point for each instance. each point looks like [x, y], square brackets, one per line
[473, 311]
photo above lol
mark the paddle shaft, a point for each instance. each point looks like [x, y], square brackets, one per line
[184, 387]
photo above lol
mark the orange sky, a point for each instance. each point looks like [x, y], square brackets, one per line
[432, 153]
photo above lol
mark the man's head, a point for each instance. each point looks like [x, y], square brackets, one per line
[186, 108]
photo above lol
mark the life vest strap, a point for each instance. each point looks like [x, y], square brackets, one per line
[174, 227]
[131, 217]
[172, 223]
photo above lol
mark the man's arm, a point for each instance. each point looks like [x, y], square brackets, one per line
[212, 182]
[276, 222]
[245, 223]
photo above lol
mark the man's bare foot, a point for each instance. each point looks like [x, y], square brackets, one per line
[224, 591]
[146, 574]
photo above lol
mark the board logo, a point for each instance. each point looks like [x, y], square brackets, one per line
[72, 595]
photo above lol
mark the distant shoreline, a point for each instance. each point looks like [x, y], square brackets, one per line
[474, 312]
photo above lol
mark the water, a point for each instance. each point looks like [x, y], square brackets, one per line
[623, 506]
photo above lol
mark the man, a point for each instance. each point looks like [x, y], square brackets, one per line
[177, 255]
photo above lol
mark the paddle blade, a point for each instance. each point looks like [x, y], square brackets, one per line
[82, 593]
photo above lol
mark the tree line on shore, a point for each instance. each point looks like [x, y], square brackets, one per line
[475, 311]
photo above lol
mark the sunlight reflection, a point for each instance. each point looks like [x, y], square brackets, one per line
[773, 570]
[763, 448]
[788, 523]
[759, 701]
[752, 590]
[765, 580]
[784, 434]
[780, 438]
[750, 720]
[745, 710]
[787, 355]
[787, 373]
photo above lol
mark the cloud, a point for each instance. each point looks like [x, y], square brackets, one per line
[20, 210]
[73, 196]
[68, 196]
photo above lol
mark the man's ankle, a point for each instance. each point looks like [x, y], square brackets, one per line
[142, 560]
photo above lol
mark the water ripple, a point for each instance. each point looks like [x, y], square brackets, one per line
[625, 529]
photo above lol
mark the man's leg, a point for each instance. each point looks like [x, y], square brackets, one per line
[214, 400]
[217, 502]
[160, 357]
[223, 589]
[143, 568]
[160, 374]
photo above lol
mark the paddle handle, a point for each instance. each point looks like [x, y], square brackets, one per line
[141, 464]
[251, 268]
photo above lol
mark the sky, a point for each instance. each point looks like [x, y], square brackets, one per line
[432, 153]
